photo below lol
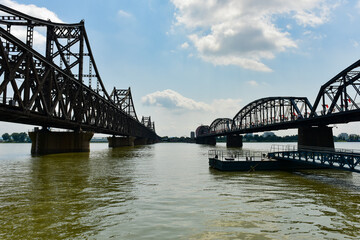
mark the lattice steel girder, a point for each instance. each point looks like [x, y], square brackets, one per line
[339, 94]
[267, 111]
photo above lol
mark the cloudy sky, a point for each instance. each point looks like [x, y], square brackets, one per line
[191, 61]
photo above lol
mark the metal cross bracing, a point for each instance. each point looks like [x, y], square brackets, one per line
[146, 121]
[340, 96]
[123, 99]
[60, 87]
[338, 101]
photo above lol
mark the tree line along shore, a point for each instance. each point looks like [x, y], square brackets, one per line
[23, 137]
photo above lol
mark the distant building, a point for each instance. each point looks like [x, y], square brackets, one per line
[192, 135]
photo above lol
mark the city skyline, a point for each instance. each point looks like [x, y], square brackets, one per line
[190, 62]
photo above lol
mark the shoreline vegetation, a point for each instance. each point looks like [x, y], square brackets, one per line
[266, 137]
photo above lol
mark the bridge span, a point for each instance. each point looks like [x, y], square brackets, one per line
[338, 101]
[49, 78]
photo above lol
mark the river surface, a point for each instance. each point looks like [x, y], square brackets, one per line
[167, 191]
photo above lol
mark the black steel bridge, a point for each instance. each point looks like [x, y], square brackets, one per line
[49, 78]
[338, 101]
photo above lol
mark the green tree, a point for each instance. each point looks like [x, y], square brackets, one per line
[20, 137]
[6, 137]
[23, 137]
[15, 137]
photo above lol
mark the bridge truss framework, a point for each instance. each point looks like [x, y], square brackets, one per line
[61, 88]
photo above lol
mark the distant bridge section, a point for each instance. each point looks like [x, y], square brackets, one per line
[271, 113]
[338, 101]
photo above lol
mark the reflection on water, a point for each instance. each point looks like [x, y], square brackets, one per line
[167, 191]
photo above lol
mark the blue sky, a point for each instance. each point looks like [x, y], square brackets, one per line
[189, 62]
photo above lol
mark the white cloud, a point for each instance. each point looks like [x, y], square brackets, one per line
[243, 33]
[177, 115]
[185, 45]
[174, 101]
[124, 14]
[253, 83]
[32, 10]
[354, 43]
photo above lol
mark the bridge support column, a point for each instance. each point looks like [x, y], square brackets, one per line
[206, 140]
[47, 142]
[234, 140]
[120, 141]
[141, 141]
[312, 137]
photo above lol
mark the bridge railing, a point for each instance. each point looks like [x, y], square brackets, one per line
[283, 148]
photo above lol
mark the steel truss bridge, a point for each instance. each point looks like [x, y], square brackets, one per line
[338, 101]
[49, 77]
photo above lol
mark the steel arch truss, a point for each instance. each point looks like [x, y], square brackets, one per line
[341, 94]
[221, 125]
[270, 111]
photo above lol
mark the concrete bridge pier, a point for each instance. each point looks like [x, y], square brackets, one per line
[206, 140]
[315, 137]
[141, 141]
[234, 140]
[128, 141]
[47, 142]
[121, 141]
[151, 141]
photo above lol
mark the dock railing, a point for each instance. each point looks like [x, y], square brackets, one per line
[292, 148]
[243, 155]
[344, 159]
